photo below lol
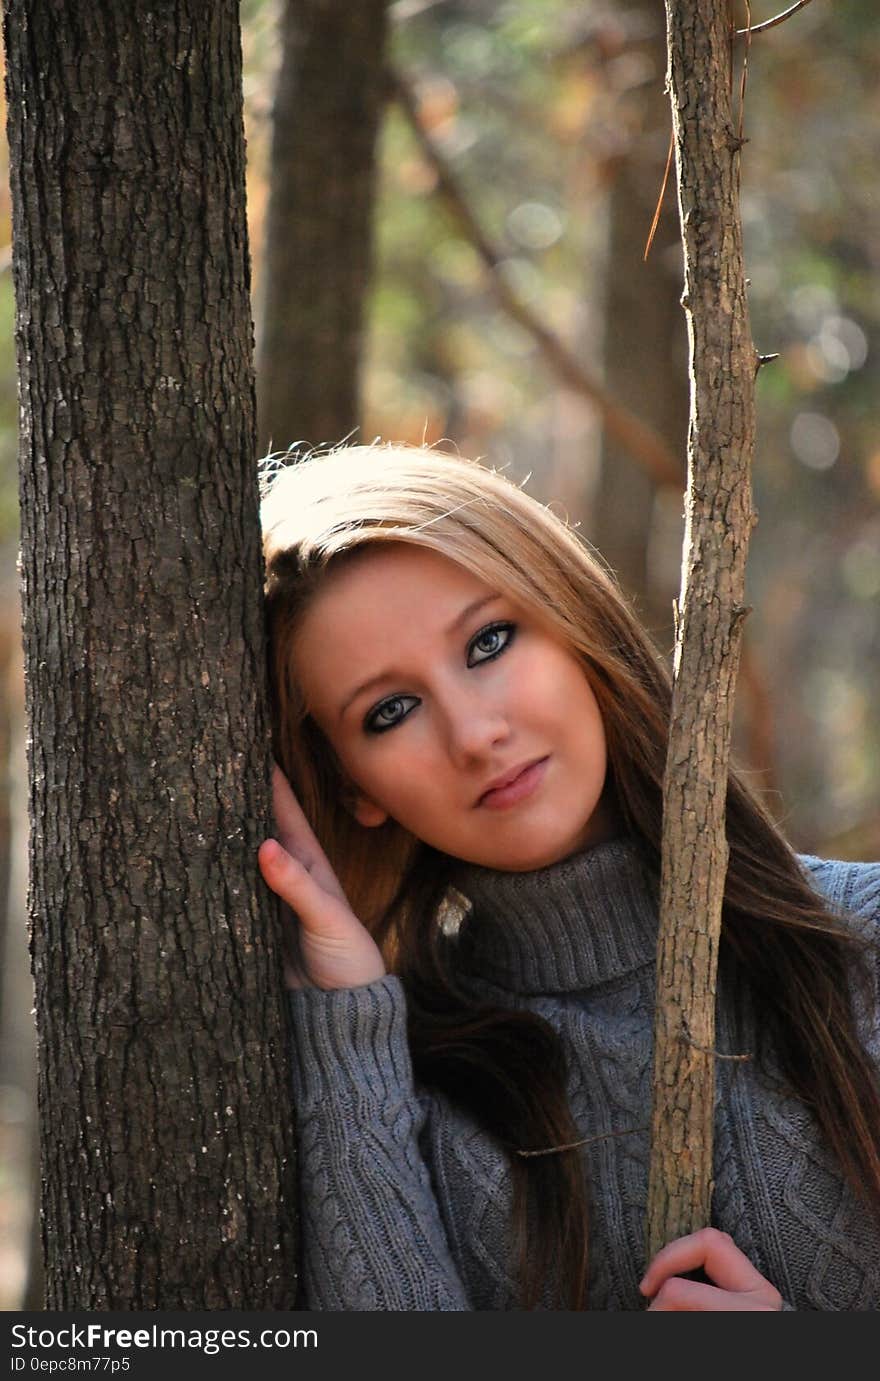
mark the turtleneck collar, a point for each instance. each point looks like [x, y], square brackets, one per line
[584, 921]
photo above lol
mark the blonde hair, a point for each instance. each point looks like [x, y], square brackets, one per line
[335, 505]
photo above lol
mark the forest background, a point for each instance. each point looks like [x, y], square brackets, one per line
[544, 121]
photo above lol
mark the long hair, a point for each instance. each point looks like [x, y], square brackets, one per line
[508, 1068]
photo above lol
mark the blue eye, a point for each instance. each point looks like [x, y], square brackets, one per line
[490, 642]
[484, 646]
[389, 713]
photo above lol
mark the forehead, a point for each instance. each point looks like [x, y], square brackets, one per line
[395, 577]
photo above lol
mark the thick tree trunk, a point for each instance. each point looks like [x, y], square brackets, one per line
[718, 520]
[166, 1141]
[328, 109]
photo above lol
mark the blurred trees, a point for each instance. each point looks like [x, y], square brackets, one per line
[812, 228]
[543, 110]
[643, 329]
[329, 100]
[540, 106]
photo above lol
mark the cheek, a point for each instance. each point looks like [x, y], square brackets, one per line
[555, 686]
[391, 772]
[579, 710]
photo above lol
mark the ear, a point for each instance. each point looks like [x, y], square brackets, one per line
[367, 812]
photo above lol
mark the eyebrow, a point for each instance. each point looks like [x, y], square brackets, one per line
[460, 618]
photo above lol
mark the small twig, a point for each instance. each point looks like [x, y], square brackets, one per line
[656, 221]
[765, 359]
[707, 1049]
[772, 23]
[640, 440]
[745, 72]
[587, 1141]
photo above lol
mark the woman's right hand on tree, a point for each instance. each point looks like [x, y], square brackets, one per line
[331, 948]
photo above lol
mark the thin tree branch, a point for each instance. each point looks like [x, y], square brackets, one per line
[710, 1049]
[656, 221]
[585, 1141]
[772, 23]
[640, 440]
[745, 72]
[709, 621]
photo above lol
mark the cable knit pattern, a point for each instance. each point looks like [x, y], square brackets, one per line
[406, 1202]
[368, 1214]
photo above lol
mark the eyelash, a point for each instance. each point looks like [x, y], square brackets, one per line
[373, 727]
[508, 628]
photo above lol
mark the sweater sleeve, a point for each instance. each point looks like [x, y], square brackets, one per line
[855, 889]
[862, 898]
[371, 1229]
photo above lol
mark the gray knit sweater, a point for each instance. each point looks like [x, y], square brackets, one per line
[406, 1202]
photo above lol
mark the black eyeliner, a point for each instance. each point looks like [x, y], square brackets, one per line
[499, 624]
[504, 625]
[372, 728]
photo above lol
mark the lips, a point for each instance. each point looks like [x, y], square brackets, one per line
[506, 785]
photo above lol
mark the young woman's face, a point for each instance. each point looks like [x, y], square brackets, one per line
[453, 712]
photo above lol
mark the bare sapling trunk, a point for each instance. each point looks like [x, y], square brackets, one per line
[718, 520]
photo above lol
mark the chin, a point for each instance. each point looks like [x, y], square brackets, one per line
[531, 860]
[603, 825]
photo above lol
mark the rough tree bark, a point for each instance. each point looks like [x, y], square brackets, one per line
[718, 519]
[166, 1145]
[328, 109]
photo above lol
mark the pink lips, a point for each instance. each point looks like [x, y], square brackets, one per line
[516, 788]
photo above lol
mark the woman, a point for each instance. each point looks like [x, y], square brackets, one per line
[474, 725]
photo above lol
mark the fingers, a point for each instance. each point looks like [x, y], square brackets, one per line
[687, 1297]
[740, 1286]
[715, 1251]
[334, 948]
[289, 815]
[291, 880]
[297, 835]
[678, 1296]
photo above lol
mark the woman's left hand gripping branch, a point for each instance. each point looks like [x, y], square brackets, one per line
[735, 1283]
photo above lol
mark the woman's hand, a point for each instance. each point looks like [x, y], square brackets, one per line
[737, 1285]
[329, 948]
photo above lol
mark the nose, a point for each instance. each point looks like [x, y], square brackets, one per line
[475, 728]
